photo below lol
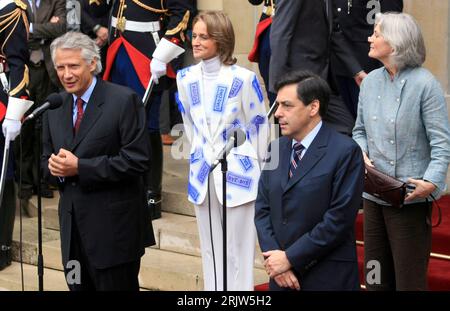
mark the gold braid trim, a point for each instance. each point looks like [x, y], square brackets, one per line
[149, 8]
[97, 2]
[21, 4]
[9, 19]
[181, 27]
[23, 84]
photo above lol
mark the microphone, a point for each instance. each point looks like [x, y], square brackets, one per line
[272, 109]
[53, 101]
[236, 138]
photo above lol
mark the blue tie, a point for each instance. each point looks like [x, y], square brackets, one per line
[296, 157]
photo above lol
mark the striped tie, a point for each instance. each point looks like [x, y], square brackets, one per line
[296, 157]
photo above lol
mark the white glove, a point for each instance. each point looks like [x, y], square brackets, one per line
[11, 128]
[158, 69]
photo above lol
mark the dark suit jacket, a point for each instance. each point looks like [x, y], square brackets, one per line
[356, 29]
[107, 198]
[45, 32]
[303, 35]
[312, 215]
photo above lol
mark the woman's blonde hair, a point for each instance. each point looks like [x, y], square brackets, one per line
[221, 30]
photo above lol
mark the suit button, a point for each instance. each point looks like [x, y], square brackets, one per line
[284, 221]
[74, 183]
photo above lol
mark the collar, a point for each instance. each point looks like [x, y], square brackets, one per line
[211, 66]
[87, 95]
[307, 141]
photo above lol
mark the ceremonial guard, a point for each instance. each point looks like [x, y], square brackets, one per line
[145, 35]
[356, 22]
[260, 52]
[13, 104]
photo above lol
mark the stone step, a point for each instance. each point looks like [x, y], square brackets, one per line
[179, 233]
[173, 232]
[173, 264]
[10, 278]
[169, 271]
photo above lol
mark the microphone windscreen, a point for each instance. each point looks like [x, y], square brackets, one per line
[55, 100]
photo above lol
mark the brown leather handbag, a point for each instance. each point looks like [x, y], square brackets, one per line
[384, 187]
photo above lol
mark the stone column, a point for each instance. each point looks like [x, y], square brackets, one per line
[244, 17]
[433, 17]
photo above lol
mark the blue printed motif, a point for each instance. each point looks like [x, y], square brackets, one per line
[179, 103]
[193, 193]
[246, 163]
[257, 89]
[219, 100]
[183, 71]
[235, 87]
[255, 123]
[235, 109]
[203, 173]
[226, 133]
[197, 155]
[195, 93]
[252, 106]
[238, 180]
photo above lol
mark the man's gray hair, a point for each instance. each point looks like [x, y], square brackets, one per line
[77, 41]
[403, 34]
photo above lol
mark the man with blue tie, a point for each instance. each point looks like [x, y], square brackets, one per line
[306, 207]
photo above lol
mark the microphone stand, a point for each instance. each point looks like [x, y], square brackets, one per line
[38, 127]
[224, 168]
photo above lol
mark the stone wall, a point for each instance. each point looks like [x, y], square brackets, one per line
[432, 15]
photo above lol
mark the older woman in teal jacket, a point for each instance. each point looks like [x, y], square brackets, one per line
[402, 127]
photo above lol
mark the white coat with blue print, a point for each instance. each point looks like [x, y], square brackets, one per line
[238, 102]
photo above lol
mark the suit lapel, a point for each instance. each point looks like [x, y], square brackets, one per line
[328, 12]
[66, 121]
[313, 154]
[285, 159]
[195, 85]
[220, 99]
[91, 114]
[42, 12]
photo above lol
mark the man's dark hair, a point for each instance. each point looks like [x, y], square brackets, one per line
[310, 87]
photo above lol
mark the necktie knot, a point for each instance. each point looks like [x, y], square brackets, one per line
[297, 149]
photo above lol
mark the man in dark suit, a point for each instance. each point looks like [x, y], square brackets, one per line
[356, 20]
[96, 145]
[48, 21]
[306, 207]
[304, 35]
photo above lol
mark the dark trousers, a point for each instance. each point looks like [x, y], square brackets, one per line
[40, 87]
[122, 277]
[400, 240]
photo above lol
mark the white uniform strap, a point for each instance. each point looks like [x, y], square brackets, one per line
[4, 3]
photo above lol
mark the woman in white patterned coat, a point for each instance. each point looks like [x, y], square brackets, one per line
[215, 97]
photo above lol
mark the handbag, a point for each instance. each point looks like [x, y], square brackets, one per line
[384, 187]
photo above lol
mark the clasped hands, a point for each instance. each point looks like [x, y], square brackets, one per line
[278, 267]
[63, 164]
[423, 188]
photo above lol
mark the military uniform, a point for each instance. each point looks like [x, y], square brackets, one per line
[14, 76]
[356, 20]
[260, 52]
[136, 28]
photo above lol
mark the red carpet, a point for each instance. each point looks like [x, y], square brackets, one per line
[439, 268]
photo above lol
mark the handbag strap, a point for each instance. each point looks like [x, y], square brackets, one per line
[429, 221]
